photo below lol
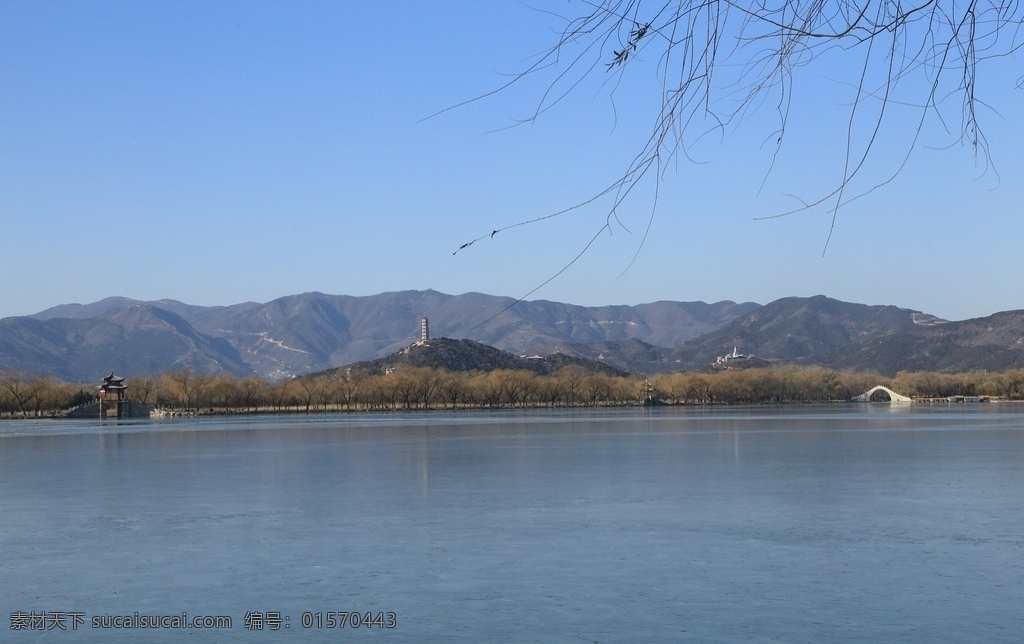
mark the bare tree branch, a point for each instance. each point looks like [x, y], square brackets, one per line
[719, 61]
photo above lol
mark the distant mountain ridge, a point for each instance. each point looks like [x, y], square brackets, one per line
[313, 332]
[804, 330]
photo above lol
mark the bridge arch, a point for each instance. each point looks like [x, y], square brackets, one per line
[870, 395]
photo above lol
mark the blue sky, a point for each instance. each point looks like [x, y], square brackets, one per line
[223, 152]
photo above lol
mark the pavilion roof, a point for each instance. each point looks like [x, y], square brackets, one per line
[113, 382]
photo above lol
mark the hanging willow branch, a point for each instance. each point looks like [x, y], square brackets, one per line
[717, 60]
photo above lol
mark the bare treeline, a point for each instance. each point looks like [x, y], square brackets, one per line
[24, 395]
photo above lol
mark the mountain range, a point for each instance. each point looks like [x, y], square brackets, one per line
[312, 332]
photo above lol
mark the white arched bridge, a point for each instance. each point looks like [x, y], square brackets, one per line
[881, 391]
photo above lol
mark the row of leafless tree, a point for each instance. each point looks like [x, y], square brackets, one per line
[423, 388]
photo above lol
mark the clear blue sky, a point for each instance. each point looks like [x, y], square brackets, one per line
[222, 152]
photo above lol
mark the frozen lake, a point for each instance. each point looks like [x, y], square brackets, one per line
[799, 524]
